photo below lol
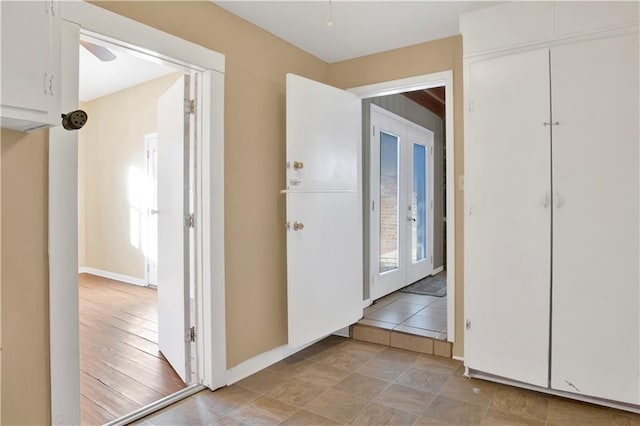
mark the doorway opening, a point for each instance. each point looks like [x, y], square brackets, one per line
[136, 247]
[409, 262]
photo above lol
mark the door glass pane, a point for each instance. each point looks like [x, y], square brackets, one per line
[419, 204]
[388, 202]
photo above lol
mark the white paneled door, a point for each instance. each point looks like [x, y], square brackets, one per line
[596, 230]
[508, 217]
[401, 202]
[324, 210]
[173, 236]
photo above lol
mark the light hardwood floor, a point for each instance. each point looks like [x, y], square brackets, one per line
[121, 367]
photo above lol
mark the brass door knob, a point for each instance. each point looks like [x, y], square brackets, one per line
[297, 165]
[297, 226]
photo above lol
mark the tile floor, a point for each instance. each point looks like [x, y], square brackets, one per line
[409, 313]
[340, 381]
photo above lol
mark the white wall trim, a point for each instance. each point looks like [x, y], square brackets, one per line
[262, 361]
[113, 276]
[426, 81]
[63, 259]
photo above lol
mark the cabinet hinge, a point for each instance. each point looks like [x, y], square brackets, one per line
[192, 334]
[190, 220]
[191, 106]
[468, 324]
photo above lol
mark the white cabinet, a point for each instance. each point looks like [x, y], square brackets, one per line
[30, 76]
[552, 212]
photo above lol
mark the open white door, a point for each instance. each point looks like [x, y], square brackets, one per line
[324, 210]
[173, 236]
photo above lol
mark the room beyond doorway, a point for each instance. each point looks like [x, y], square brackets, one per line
[122, 369]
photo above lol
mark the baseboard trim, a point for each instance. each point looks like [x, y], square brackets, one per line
[112, 275]
[262, 361]
[437, 270]
[458, 358]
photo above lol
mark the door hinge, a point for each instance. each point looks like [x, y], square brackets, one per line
[468, 324]
[471, 107]
[192, 334]
[431, 150]
[191, 106]
[190, 221]
[373, 130]
[431, 259]
[373, 205]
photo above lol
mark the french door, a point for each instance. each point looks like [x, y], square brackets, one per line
[401, 202]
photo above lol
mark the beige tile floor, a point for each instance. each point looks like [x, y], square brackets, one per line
[342, 381]
[410, 313]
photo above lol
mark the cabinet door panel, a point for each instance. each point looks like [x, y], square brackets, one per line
[25, 54]
[507, 223]
[595, 324]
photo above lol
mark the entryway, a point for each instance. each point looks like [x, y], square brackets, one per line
[406, 195]
[136, 245]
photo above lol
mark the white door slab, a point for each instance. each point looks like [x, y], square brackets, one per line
[595, 226]
[324, 210]
[419, 187]
[173, 242]
[508, 217]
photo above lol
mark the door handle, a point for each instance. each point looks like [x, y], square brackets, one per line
[153, 211]
[558, 200]
[410, 219]
[297, 226]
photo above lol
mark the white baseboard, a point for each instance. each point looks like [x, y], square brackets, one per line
[258, 362]
[112, 275]
[458, 358]
[437, 270]
[262, 361]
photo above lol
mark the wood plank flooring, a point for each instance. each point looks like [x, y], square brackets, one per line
[121, 367]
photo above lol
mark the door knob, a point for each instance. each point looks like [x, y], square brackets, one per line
[297, 226]
[297, 165]
[153, 211]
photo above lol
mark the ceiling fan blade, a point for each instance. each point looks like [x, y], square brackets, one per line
[100, 52]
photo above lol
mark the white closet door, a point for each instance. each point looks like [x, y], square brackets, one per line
[507, 223]
[595, 325]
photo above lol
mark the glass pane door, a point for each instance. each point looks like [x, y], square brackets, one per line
[389, 206]
[419, 206]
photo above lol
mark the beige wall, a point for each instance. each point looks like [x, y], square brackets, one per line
[439, 55]
[112, 166]
[25, 277]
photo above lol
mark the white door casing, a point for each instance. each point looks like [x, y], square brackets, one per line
[406, 271]
[324, 235]
[173, 234]
[151, 237]
[595, 218]
[508, 217]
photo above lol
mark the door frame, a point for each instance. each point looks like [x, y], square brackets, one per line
[63, 226]
[149, 140]
[421, 82]
[405, 182]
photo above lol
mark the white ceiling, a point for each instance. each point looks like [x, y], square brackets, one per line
[99, 78]
[359, 27]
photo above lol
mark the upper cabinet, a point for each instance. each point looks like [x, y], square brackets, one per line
[520, 24]
[30, 76]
